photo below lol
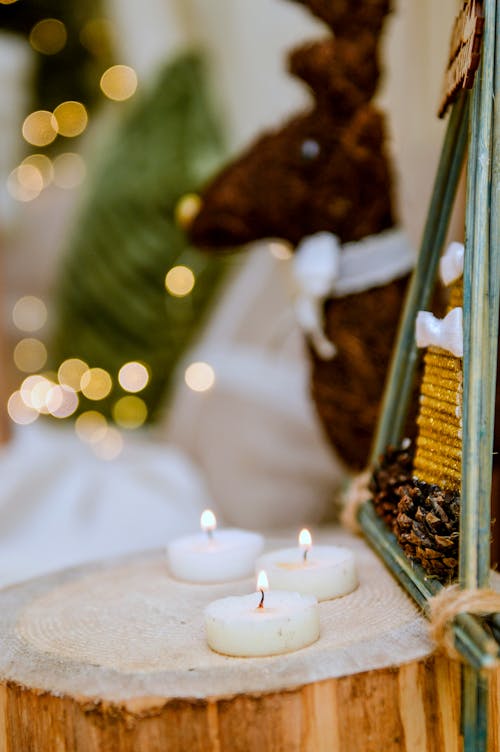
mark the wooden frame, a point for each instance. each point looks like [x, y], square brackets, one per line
[481, 310]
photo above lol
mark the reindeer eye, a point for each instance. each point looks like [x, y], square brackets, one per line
[309, 149]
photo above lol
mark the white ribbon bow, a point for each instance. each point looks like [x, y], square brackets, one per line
[445, 333]
[316, 265]
[451, 265]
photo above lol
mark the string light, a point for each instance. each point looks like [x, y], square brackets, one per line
[69, 170]
[30, 178]
[119, 82]
[19, 412]
[29, 314]
[40, 128]
[71, 371]
[44, 166]
[199, 376]
[130, 412]
[96, 383]
[27, 387]
[30, 355]
[186, 209]
[91, 426]
[25, 183]
[48, 36]
[70, 118]
[133, 376]
[39, 395]
[109, 446]
[179, 281]
[62, 401]
[54, 398]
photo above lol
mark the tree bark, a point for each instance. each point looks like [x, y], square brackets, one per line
[105, 658]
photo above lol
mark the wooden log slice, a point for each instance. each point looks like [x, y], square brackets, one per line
[112, 658]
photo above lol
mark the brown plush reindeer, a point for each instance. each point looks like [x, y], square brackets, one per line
[327, 171]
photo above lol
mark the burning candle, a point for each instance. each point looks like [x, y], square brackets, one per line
[324, 571]
[264, 623]
[214, 555]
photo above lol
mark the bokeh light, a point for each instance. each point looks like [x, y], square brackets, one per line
[39, 395]
[27, 387]
[179, 281]
[96, 383]
[30, 178]
[19, 412]
[40, 128]
[54, 398]
[71, 118]
[133, 376]
[187, 208]
[280, 250]
[119, 82]
[29, 313]
[130, 412]
[71, 371]
[69, 170]
[91, 426]
[25, 183]
[109, 446]
[199, 376]
[30, 355]
[48, 36]
[44, 166]
[62, 401]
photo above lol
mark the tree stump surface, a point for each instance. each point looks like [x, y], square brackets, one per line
[113, 656]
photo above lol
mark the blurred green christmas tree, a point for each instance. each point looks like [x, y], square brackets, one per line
[115, 304]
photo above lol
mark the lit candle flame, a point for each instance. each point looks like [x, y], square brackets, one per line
[208, 522]
[305, 541]
[262, 585]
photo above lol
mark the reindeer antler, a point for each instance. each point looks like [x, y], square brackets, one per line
[343, 74]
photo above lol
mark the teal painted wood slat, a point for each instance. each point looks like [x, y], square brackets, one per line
[401, 373]
[481, 296]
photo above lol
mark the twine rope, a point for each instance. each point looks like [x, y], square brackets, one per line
[451, 601]
[355, 495]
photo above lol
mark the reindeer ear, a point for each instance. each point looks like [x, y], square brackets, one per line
[342, 74]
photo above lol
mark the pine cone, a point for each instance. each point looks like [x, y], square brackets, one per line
[395, 470]
[427, 527]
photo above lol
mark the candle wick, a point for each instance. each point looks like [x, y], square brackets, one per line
[306, 551]
[261, 604]
[210, 533]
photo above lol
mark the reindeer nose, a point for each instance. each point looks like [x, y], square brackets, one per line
[187, 208]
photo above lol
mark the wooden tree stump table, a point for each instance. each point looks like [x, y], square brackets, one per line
[112, 658]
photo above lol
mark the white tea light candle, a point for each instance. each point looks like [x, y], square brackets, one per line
[324, 571]
[214, 555]
[262, 624]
